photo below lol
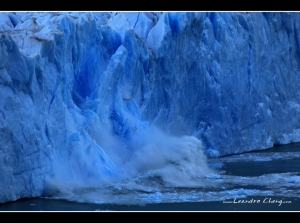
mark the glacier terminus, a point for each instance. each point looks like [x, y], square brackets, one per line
[89, 98]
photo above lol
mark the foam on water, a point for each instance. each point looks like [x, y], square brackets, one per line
[165, 195]
[153, 186]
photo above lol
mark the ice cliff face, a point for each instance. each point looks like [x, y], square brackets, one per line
[82, 94]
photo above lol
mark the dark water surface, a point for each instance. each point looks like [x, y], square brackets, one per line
[42, 204]
[267, 180]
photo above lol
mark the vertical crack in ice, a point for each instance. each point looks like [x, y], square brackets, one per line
[137, 19]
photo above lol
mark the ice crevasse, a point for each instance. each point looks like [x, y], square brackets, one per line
[90, 97]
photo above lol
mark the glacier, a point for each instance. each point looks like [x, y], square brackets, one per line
[95, 97]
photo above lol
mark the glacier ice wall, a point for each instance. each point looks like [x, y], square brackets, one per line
[91, 97]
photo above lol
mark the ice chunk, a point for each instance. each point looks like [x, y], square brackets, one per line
[6, 24]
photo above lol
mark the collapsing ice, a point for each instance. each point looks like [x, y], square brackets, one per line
[84, 94]
[176, 161]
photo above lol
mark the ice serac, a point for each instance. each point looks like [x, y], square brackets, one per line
[87, 98]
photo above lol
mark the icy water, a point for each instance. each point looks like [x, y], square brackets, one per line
[267, 180]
